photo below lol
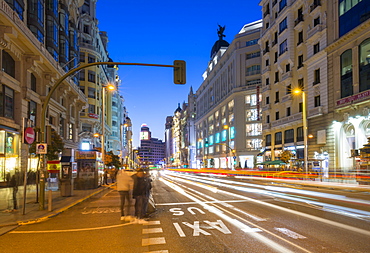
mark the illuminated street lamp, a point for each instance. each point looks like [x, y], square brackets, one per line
[304, 119]
[109, 87]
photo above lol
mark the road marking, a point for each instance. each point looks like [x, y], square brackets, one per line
[158, 251]
[153, 222]
[197, 230]
[179, 230]
[68, 230]
[205, 202]
[153, 241]
[152, 230]
[290, 233]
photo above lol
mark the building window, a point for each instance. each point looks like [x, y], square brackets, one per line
[91, 108]
[82, 75]
[300, 37]
[253, 129]
[267, 119]
[251, 115]
[277, 116]
[267, 62]
[364, 59]
[301, 84]
[91, 58]
[283, 47]
[282, 4]
[91, 92]
[276, 97]
[300, 61]
[288, 113]
[8, 64]
[289, 136]
[6, 102]
[317, 101]
[268, 140]
[276, 57]
[300, 134]
[278, 138]
[300, 107]
[253, 70]
[251, 42]
[70, 131]
[316, 76]
[267, 100]
[346, 85]
[32, 111]
[82, 57]
[316, 48]
[316, 21]
[288, 89]
[267, 81]
[283, 25]
[253, 55]
[287, 67]
[33, 82]
[276, 76]
[91, 76]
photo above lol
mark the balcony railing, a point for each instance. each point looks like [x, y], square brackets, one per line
[315, 4]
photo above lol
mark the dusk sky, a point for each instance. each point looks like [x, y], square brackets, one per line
[159, 32]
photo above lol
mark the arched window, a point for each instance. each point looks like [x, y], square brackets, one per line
[8, 64]
[346, 84]
[364, 63]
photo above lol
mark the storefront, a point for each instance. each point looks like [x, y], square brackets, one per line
[9, 155]
[89, 169]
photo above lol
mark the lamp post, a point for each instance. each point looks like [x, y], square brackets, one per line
[111, 88]
[304, 122]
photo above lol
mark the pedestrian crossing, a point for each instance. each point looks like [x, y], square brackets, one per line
[152, 237]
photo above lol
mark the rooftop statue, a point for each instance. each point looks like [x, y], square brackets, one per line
[220, 32]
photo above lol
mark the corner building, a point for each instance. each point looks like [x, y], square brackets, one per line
[293, 42]
[228, 111]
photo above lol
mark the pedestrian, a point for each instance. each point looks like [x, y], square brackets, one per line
[141, 191]
[105, 175]
[125, 184]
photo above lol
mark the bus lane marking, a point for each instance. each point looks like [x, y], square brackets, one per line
[290, 233]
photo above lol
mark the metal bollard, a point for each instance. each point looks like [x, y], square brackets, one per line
[50, 198]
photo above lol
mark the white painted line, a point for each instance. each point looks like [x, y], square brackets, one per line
[153, 222]
[152, 230]
[158, 251]
[179, 230]
[290, 233]
[153, 241]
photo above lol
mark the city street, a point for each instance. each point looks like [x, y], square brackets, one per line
[208, 214]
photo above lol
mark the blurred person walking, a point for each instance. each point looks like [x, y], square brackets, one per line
[141, 191]
[125, 184]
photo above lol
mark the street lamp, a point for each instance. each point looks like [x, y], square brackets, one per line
[109, 87]
[304, 119]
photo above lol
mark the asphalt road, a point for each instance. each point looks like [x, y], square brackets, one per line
[203, 214]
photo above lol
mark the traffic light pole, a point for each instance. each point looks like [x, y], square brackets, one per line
[179, 78]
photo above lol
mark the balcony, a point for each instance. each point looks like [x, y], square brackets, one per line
[266, 88]
[286, 75]
[314, 31]
[267, 12]
[266, 50]
[266, 107]
[287, 97]
[317, 111]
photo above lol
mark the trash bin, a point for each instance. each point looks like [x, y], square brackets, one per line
[65, 187]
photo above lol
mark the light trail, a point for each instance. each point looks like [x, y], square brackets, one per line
[220, 212]
[350, 212]
[329, 222]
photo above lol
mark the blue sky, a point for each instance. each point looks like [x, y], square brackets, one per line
[159, 32]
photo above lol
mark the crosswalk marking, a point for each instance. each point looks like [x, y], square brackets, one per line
[153, 222]
[158, 251]
[153, 241]
[152, 230]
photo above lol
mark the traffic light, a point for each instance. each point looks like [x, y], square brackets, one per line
[179, 72]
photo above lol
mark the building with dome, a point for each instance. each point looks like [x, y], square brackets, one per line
[228, 114]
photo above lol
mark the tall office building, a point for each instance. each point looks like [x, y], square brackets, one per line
[152, 150]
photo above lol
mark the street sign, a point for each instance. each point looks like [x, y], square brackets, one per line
[41, 148]
[29, 135]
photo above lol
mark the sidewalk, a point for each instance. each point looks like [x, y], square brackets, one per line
[10, 219]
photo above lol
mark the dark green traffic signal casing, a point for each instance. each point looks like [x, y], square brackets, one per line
[179, 72]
